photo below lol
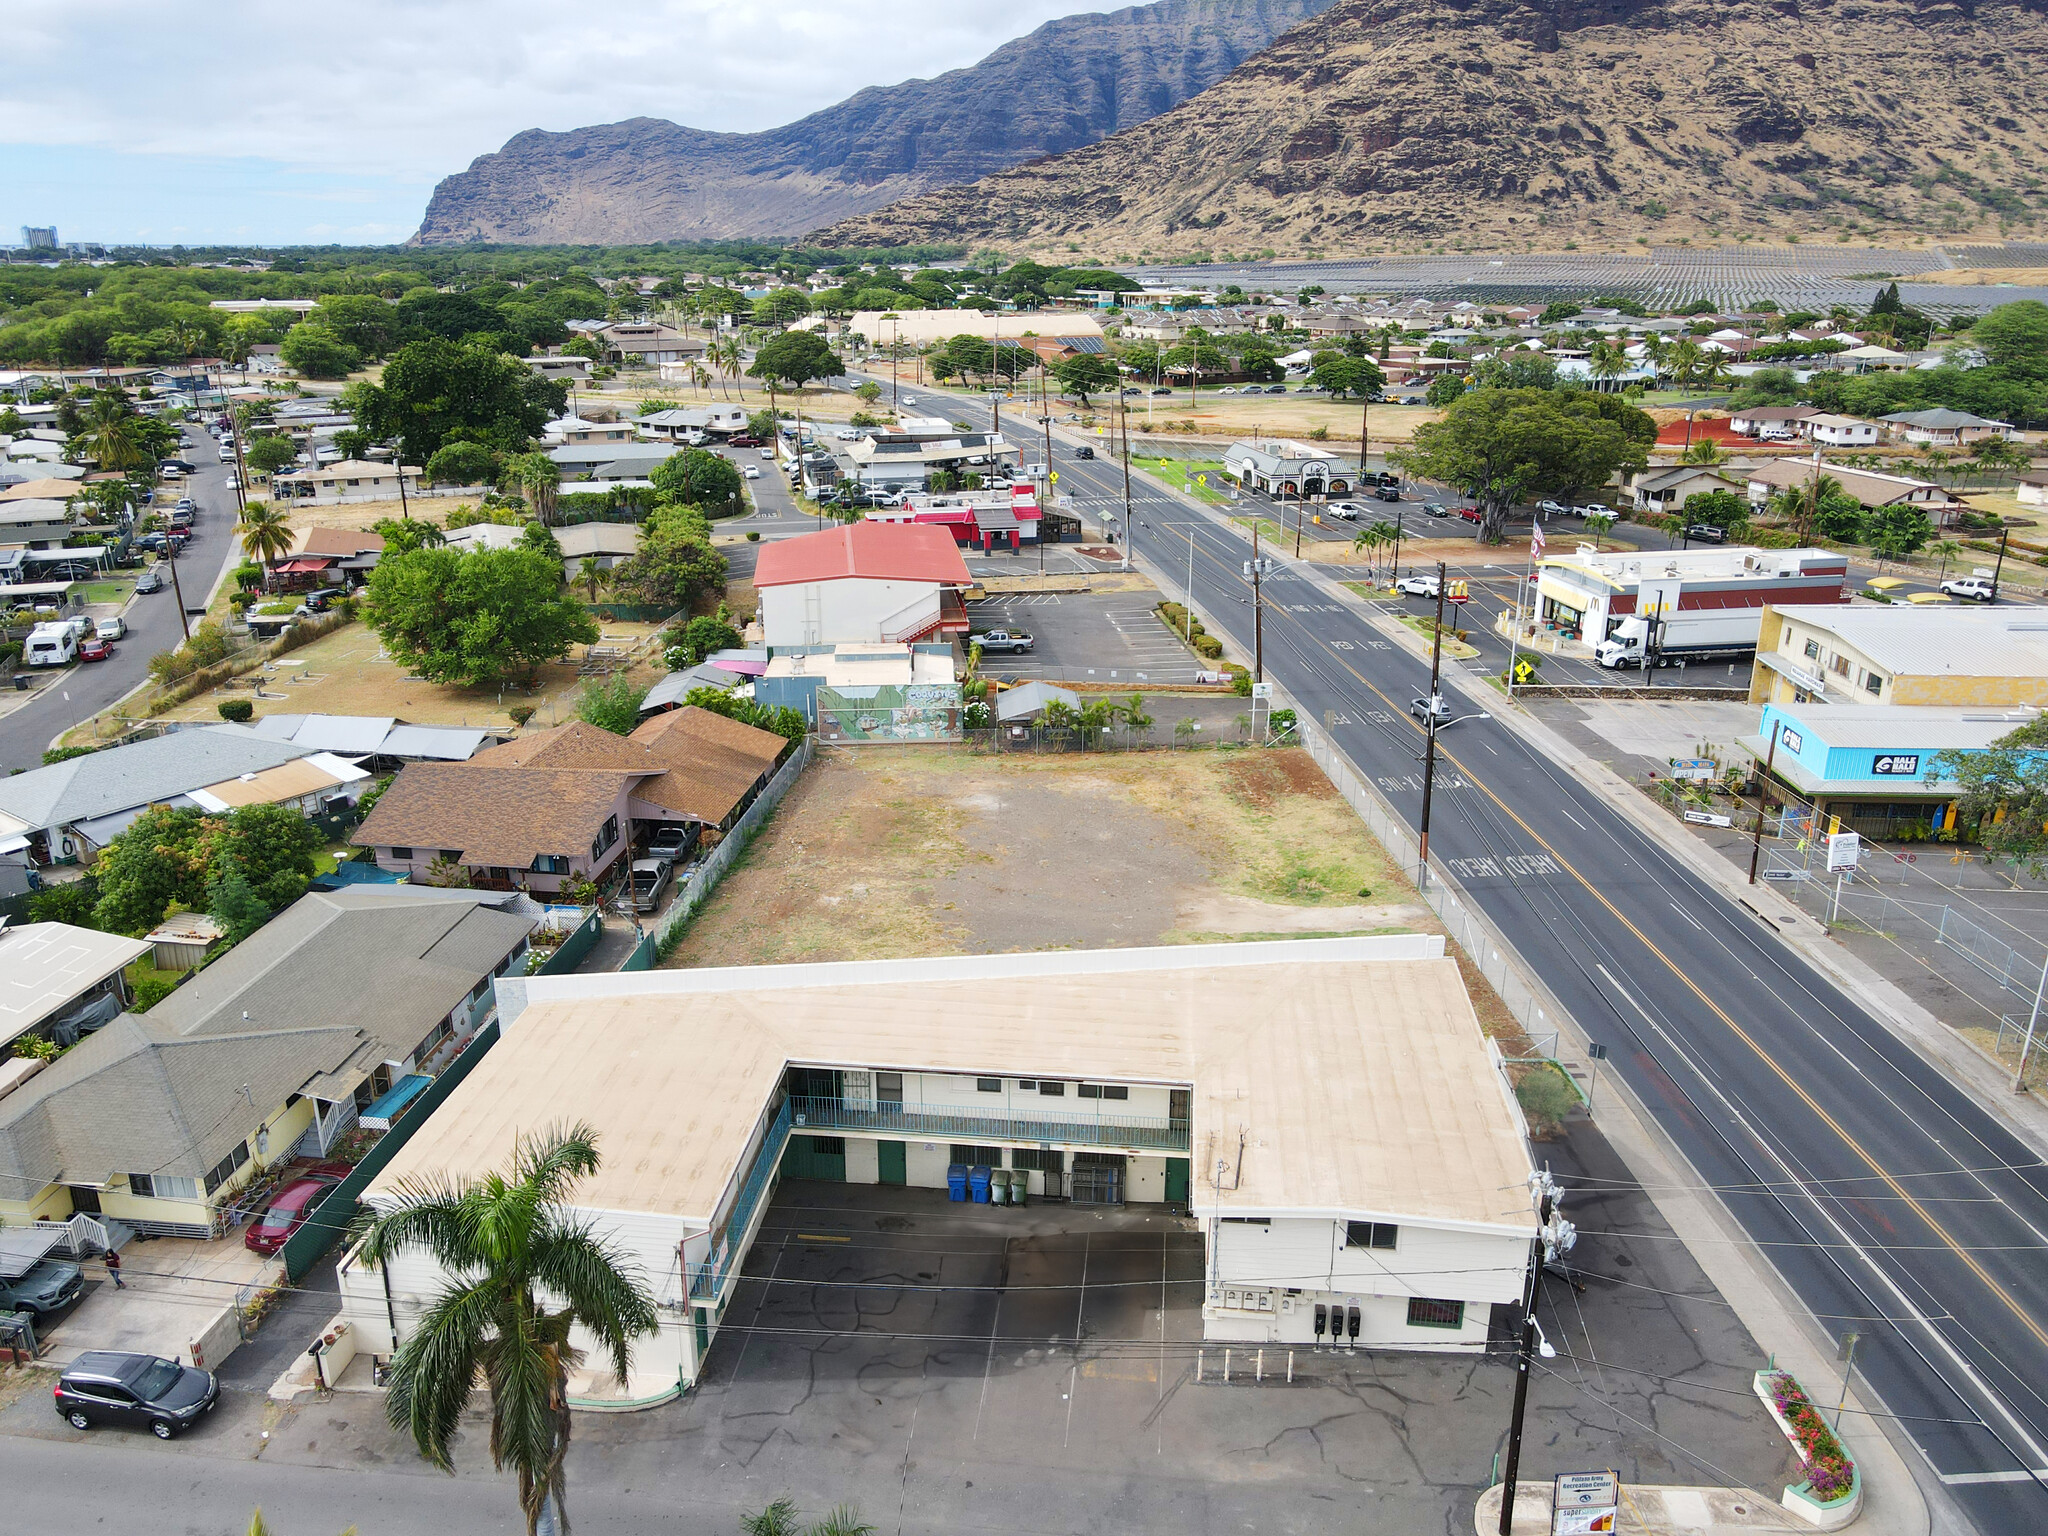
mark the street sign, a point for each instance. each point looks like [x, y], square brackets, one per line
[1709, 819]
[1201, 479]
[1694, 768]
[1844, 849]
[1054, 477]
[1582, 1502]
[1525, 671]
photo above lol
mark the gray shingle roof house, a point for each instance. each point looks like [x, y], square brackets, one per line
[277, 1045]
[84, 801]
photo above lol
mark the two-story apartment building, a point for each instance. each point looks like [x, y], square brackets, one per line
[1328, 1111]
[1941, 657]
[864, 582]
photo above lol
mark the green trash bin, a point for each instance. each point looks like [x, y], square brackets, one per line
[998, 1187]
[1020, 1187]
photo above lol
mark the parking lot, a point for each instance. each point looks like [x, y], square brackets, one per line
[949, 1368]
[1099, 637]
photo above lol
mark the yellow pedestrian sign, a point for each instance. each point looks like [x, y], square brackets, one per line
[1054, 477]
[1202, 480]
[1525, 671]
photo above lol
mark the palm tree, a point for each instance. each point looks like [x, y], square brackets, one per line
[259, 1527]
[593, 576]
[1704, 451]
[700, 377]
[509, 1245]
[1598, 523]
[1655, 349]
[111, 434]
[538, 478]
[266, 534]
[1607, 362]
[1685, 361]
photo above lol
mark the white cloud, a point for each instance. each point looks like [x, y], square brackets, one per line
[412, 90]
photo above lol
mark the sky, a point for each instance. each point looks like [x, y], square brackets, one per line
[253, 121]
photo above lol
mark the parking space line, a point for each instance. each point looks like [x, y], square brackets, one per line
[1074, 1375]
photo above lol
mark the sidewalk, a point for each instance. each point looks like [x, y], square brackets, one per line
[1648, 1511]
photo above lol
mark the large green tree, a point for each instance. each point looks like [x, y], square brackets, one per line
[180, 855]
[697, 477]
[474, 619]
[2003, 794]
[521, 1270]
[314, 352]
[795, 358]
[359, 320]
[1502, 446]
[675, 564]
[436, 390]
[1358, 377]
[1084, 374]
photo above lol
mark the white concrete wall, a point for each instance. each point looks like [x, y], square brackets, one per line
[925, 1163]
[851, 609]
[940, 1091]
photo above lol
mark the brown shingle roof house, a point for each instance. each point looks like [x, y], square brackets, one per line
[552, 805]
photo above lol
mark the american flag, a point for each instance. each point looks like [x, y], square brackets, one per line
[1536, 541]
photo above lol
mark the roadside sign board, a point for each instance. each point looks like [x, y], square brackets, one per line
[1583, 1502]
[1844, 849]
[1262, 690]
[1709, 819]
[1694, 768]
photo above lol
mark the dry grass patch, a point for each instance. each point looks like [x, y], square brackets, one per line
[348, 673]
[888, 852]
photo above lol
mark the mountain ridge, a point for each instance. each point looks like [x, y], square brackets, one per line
[1070, 82]
[1506, 124]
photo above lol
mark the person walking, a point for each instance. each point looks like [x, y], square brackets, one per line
[114, 1270]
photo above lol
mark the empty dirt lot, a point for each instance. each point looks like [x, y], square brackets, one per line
[883, 852]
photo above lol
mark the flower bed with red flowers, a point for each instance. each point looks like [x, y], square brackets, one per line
[1830, 1474]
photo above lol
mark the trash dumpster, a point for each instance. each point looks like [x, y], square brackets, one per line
[998, 1187]
[977, 1180]
[956, 1181]
[1020, 1187]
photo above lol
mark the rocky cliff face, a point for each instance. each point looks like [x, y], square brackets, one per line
[1519, 124]
[1068, 84]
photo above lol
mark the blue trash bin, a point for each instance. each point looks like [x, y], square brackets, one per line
[978, 1177]
[956, 1181]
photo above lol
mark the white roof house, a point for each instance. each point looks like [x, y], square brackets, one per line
[1329, 1110]
[51, 970]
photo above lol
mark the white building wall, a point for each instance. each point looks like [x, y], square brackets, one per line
[850, 609]
[925, 1162]
[863, 1164]
[1265, 1281]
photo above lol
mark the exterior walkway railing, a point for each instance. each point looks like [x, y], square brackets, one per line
[1139, 1132]
[707, 1278]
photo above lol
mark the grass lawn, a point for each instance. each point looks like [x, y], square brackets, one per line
[1454, 648]
[1213, 487]
[106, 591]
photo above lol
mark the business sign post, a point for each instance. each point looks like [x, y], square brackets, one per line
[1583, 1502]
[1844, 849]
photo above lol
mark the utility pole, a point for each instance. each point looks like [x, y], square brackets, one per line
[177, 591]
[1255, 571]
[1300, 513]
[1999, 569]
[1763, 800]
[1523, 1360]
[1364, 441]
[1436, 664]
[1124, 415]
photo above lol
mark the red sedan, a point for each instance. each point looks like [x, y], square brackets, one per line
[94, 650]
[290, 1207]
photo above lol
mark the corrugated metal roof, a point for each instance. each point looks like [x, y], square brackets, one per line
[1884, 727]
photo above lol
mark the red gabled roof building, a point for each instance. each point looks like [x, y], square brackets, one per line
[864, 582]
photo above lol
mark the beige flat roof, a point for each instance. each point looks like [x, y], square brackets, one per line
[1354, 1069]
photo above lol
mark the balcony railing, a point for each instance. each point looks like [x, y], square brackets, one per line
[960, 1124]
[707, 1278]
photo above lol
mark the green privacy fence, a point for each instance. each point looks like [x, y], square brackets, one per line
[304, 1248]
[572, 949]
[642, 956]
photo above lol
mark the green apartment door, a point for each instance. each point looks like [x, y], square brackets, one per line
[1176, 1181]
[890, 1164]
[815, 1157]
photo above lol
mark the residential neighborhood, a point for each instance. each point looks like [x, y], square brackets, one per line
[1058, 887]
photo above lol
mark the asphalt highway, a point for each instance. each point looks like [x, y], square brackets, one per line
[1890, 1201]
[152, 620]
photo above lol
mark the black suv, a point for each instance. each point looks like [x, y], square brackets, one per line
[103, 1387]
